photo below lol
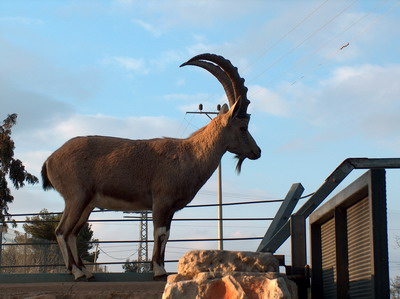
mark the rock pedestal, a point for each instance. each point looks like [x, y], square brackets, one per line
[219, 274]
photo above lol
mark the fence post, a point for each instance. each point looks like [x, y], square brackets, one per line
[281, 217]
[25, 252]
[1, 245]
[298, 246]
[299, 253]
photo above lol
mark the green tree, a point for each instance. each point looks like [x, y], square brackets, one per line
[11, 167]
[43, 226]
[395, 287]
[135, 266]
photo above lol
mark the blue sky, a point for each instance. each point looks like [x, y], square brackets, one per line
[73, 68]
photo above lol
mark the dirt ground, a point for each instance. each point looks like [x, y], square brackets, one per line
[80, 290]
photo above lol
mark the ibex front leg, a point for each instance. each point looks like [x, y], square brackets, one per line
[162, 224]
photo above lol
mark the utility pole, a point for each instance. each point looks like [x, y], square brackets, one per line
[220, 216]
[143, 250]
[95, 258]
[143, 253]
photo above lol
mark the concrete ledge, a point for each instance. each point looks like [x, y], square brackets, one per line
[86, 290]
[64, 277]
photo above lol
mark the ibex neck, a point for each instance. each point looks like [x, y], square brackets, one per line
[209, 145]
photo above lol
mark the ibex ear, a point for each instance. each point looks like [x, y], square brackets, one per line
[235, 108]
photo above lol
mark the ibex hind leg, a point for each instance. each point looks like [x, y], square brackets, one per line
[69, 219]
[73, 245]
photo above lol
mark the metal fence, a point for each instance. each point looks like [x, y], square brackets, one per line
[20, 253]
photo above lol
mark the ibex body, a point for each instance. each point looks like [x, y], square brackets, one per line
[162, 175]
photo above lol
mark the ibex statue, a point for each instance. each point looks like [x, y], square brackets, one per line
[162, 175]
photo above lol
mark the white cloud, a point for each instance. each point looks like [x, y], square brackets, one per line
[148, 27]
[131, 127]
[177, 13]
[183, 97]
[35, 111]
[35, 144]
[33, 160]
[267, 101]
[180, 82]
[262, 100]
[228, 49]
[353, 100]
[166, 59]
[145, 67]
[136, 65]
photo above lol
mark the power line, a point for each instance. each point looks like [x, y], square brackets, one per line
[116, 258]
[276, 61]
[187, 125]
[350, 41]
[306, 57]
[378, 19]
[285, 35]
[338, 50]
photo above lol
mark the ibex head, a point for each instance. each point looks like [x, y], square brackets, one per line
[240, 140]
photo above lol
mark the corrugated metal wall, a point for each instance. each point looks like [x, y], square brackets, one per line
[349, 242]
[328, 250]
[359, 253]
[359, 250]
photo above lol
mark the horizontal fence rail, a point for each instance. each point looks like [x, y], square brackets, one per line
[138, 241]
[188, 206]
[149, 219]
[43, 263]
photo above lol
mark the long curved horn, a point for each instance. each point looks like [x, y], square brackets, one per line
[219, 74]
[237, 83]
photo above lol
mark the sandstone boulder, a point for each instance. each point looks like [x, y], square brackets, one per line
[215, 274]
[223, 261]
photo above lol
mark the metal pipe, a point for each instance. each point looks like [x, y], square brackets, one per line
[220, 217]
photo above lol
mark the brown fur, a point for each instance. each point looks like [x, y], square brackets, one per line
[162, 175]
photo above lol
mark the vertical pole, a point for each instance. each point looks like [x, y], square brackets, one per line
[146, 237]
[45, 250]
[298, 246]
[1, 243]
[95, 257]
[378, 208]
[220, 217]
[299, 253]
[220, 224]
[25, 253]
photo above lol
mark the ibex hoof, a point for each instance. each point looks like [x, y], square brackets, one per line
[80, 278]
[78, 274]
[89, 275]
